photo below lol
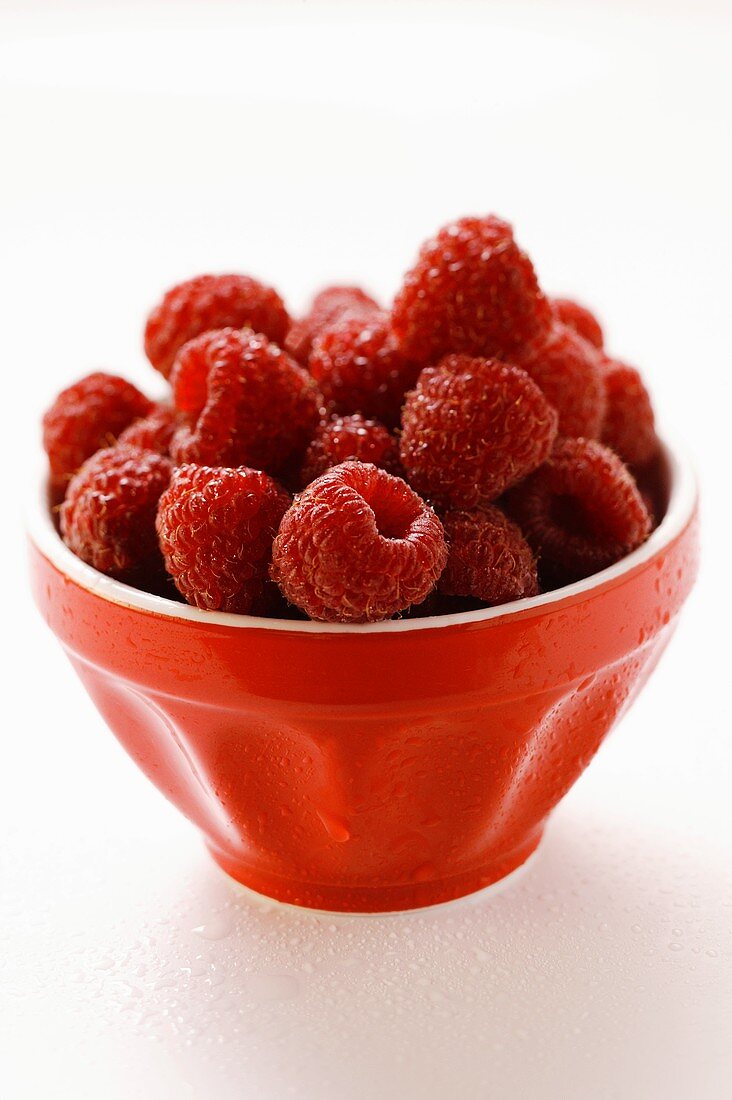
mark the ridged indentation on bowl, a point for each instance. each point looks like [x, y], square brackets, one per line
[160, 747]
[357, 799]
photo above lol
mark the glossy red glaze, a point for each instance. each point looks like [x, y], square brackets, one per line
[379, 768]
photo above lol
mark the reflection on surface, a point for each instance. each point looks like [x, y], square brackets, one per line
[590, 959]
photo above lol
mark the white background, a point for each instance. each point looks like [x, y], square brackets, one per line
[143, 143]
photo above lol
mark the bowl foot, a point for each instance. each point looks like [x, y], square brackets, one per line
[370, 900]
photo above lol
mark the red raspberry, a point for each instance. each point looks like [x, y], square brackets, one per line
[579, 318]
[358, 546]
[153, 432]
[189, 375]
[359, 368]
[652, 482]
[568, 372]
[261, 408]
[489, 557]
[331, 305]
[472, 290]
[207, 302]
[472, 428]
[650, 504]
[86, 416]
[108, 516]
[580, 512]
[216, 528]
[344, 438]
[629, 426]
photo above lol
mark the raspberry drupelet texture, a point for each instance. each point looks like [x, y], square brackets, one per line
[358, 546]
[568, 372]
[260, 408]
[472, 290]
[489, 557]
[209, 302]
[86, 416]
[651, 508]
[359, 368]
[108, 516]
[629, 427]
[472, 428]
[330, 305]
[579, 318]
[216, 527]
[189, 375]
[153, 432]
[580, 512]
[344, 438]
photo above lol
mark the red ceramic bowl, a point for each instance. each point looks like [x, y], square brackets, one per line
[371, 768]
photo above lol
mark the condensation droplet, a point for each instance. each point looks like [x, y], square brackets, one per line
[217, 927]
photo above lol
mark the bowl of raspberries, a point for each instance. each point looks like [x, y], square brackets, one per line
[362, 592]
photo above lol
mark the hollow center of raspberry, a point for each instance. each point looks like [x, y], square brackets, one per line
[568, 513]
[392, 522]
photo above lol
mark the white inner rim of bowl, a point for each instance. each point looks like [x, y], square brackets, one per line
[682, 496]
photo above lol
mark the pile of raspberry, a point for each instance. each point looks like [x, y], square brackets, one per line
[472, 445]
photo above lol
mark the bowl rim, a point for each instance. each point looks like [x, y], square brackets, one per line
[44, 536]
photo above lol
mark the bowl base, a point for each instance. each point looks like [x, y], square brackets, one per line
[383, 900]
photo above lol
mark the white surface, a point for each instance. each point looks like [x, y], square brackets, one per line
[144, 143]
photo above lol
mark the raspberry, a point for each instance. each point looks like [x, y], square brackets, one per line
[189, 375]
[650, 504]
[567, 370]
[216, 528]
[208, 302]
[153, 432]
[344, 438]
[651, 479]
[358, 546]
[86, 416]
[489, 557]
[471, 290]
[579, 318]
[472, 428]
[108, 516]
[331, 305]
[260, 409]
[629, 425]
[359, 368]
[580, 512]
